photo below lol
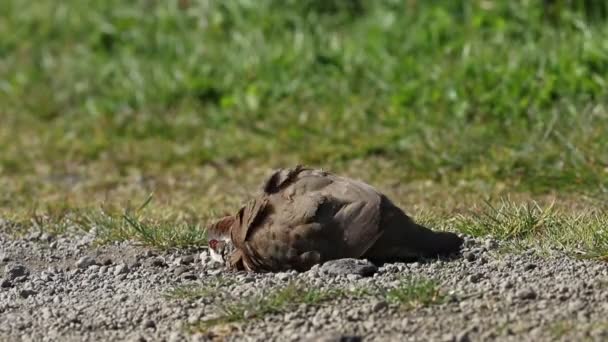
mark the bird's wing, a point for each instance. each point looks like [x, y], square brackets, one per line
[281, 178]
[360, 214]
[247, 219]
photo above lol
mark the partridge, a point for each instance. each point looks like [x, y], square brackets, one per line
[304, 217]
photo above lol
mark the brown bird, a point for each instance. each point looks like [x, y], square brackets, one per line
[305, 216]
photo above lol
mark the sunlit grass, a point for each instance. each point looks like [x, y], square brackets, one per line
[277, 301]
[104, 103]
[415, 293]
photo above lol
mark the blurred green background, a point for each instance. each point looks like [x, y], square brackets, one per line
[188, 99]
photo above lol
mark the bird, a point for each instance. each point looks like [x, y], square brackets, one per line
[304, 216]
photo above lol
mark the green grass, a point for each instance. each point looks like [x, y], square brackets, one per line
[409, 294]
[442, 104]
[166, 233]
[276, 302]
[414, 293]
[582, 232]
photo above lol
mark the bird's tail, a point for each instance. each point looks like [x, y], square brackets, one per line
[404, 239]
[440, 243]
[413, 241]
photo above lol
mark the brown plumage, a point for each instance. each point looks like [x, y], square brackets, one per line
[304, 216]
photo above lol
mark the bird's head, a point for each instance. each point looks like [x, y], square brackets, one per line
[220, 243]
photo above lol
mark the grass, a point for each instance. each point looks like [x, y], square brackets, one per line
[581, 232]
[191, 292]
[415, 293]
[408, 295]
[277, 301]
[170, 232]
[442, 104]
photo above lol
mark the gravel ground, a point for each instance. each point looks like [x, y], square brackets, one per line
[64, 288]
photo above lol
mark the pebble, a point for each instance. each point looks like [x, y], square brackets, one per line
[5, 283]
[380, 305]
[26, 293]
[476, 277]
[526, 293]
[149, 324]
[463, 337]
[14, 271]
[186, 260]
[121, 269]
[282, 276]
[105, 261]
[157, 262]
[188, 276]
[179, 270]
[85, 262]
[469, 256]
[363, 268]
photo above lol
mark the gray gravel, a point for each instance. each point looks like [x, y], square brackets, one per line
[63, 288]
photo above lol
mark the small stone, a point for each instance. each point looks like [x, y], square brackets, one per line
[475, 278]
[150, 253]
[491, 244]
[188, 276]
[369, 325]
[85, 262]
[214, 272]
[576, 305]
[121, 269]
[180, 270]
[187, 260]
[14, 271]
[448, 337]
[334, 338]
[157, 262]
[149, 324]
[526, 294]
[33, 236]
[379, 306]
[363, 268]
[26, 293]
[463, 337]
[529, 267]
[175, 336]
[469, 256]
[106, 261]
[282, 276]
[45, 237]
[20, 279]
[46, 313]
[5, 283]
[352, 277]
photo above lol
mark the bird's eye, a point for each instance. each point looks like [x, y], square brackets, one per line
[213, 243]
